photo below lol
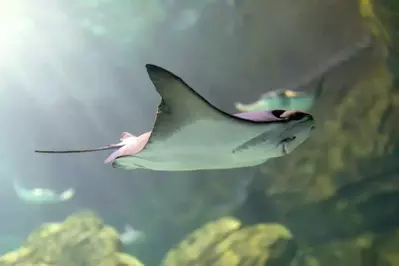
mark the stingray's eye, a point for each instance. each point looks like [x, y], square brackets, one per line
[290, 94]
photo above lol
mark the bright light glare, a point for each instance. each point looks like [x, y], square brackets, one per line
[15, 25]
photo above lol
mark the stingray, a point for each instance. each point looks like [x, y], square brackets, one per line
[284, 99]
[130, 235]
[298, 99]
[42, 195]
[191, 134]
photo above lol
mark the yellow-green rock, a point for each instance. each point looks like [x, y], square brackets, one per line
[82, 239]
[226, 243]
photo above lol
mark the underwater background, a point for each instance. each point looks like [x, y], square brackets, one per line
[72, 75]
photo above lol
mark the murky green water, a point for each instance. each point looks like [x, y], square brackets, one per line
[73, 76]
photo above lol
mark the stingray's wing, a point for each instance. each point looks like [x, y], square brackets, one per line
[181, 105]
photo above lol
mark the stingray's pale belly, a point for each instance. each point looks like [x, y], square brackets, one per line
[177, 165]
[190, 162]
[204, 145]
[208, 134]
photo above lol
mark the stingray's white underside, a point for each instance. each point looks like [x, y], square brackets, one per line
[206, 144]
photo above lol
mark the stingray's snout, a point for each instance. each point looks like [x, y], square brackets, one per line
[292, 115]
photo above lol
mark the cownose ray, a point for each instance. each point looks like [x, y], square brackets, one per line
[283, 99]
[190, 134]
[42, 195]
[130, 235]
[303, 100]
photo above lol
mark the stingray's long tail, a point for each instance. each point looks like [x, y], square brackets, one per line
[108, 147]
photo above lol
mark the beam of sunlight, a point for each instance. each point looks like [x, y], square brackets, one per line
[15, 26]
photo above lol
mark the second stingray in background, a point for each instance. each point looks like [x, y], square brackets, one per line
[283, 99]
[302, 100]
[42, 195]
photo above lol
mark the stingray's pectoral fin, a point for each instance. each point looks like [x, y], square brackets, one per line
[180, 104]
[108, 147]
[178, 98]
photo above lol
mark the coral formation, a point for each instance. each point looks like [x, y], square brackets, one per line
[226, 242]
[82, 239]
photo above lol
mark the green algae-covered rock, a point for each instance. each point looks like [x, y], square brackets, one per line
[82, 239]
[226, 243]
